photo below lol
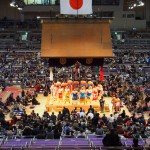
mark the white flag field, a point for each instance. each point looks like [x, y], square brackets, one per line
[76, 7]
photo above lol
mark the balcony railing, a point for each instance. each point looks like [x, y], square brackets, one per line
[57, 2]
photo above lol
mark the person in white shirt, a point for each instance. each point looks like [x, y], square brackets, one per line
[111, 118]
[90, 114]
[82, 113]
[116, 115]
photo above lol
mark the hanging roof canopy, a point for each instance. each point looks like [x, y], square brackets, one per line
[88, 42]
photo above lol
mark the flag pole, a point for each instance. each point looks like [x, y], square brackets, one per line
[77, 9]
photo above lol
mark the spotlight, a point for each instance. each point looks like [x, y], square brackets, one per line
[12, 4]
[135, 3]
[134, 28]
[17, 3]
[132, 7]
[141, 4]
[38, 17]
[19, 8]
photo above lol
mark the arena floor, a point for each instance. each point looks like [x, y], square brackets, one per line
[47, 103]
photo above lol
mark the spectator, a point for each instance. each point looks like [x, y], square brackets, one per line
[90, 114]
[67, 129]
[34, 101]
[91, 109]
[112, 139]
[123, 114]
[119, 120]
[147, 99]
[65, 111]
[81, 134]
[99, 130]
[27, 130]
[104, 118]
[82, 113]
[111, 119]
[57, 134]
[22, 93]
[60, 116]
[53, 117]
[95, 120]
[136, 144]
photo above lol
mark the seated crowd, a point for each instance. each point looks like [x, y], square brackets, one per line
[126, 78]
[77, 124]
[125, 83]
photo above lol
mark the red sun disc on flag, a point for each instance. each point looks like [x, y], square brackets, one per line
[76, 4]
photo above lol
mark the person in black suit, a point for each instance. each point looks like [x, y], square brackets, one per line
[112, 139]
[65, 111]
[34, 101]
[53, 117]
[102, 102]
[23, 93]
[147, 99]
[91, 109]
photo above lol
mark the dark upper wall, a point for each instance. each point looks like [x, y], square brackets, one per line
[7, 11]
[13, 13]
[147, 10]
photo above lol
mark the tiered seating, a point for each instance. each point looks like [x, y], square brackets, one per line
[92, 142]
[69, 143]
[16, 24]
[11, 41]
[15, 143]
[129, 142]
[96, 141]
[16, 69]
[44, 144]
[4, 96]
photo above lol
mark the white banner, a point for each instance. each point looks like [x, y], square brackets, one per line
[76, 7]
[51, 74]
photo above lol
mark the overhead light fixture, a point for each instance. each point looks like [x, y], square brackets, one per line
[19, 8]
[141, 4]
[17, 3]
[38, 17]
[135, 3]
[12, 4]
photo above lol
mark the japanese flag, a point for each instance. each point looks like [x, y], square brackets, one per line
[75, 7]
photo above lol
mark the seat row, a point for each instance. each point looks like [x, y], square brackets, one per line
[91, 142]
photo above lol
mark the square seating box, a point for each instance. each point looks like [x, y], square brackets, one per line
[97, 143]
[45, 142]
[129, 142]
[77, 148]
[92, 136]
[15, 142]
[73, 139]
[42, 148]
